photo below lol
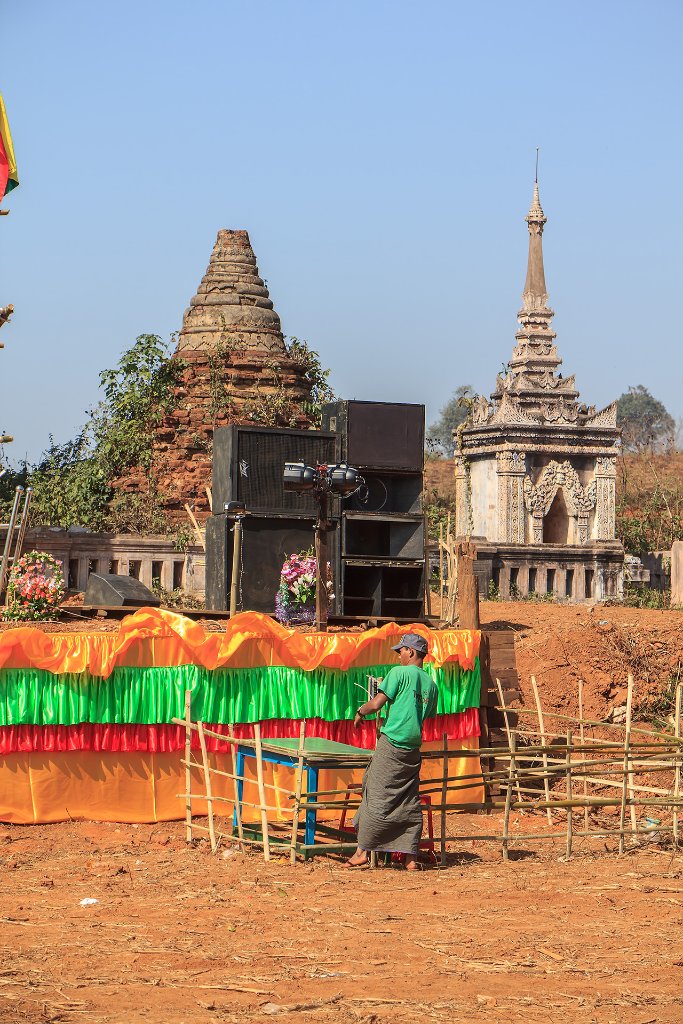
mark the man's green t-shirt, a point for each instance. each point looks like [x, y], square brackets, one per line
[413, 695]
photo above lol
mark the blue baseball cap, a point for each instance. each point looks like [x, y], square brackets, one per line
[414, 642]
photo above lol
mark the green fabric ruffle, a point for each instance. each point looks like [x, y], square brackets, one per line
[152, 695]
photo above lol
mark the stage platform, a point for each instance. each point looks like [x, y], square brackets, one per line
[86, 718]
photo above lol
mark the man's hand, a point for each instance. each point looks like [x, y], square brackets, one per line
[369, 708]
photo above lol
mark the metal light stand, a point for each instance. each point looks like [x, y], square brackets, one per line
[341, 480]
[321, 528]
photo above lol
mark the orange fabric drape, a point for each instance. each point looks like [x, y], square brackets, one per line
[143, 787]
[161, 638]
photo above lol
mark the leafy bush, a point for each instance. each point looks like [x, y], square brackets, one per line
[646, 597]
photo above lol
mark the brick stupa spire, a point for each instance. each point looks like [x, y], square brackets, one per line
[237, 370]
[232, 302]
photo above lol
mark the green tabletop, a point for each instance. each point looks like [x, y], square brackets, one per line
[316, 745]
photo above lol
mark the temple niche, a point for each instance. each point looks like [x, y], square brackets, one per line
[536, 469]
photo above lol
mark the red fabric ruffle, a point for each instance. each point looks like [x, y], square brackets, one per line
[164, 738]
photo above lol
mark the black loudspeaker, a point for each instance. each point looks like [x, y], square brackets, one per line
[387, 493]
[105, 590]
[266, 543]
[248, 465]
[381, 569]
[378, 435]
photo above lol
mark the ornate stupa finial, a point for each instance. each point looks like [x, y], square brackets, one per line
[536, 214]
[535, 296]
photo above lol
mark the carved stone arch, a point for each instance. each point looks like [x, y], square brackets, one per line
[578, 500]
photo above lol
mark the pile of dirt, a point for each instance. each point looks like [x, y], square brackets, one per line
[560, 644]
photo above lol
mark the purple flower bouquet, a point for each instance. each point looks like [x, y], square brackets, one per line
[295, 598]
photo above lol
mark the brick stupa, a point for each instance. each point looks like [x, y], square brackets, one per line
[238, 371]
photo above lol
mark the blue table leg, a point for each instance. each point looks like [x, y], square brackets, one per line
[311, 787]
[239, 768]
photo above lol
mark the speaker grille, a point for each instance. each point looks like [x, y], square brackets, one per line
[261, 457]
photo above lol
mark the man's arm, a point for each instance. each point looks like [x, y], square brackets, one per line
[369, 708]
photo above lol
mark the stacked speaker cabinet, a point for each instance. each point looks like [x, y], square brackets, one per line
[248, 464]
[381, 565]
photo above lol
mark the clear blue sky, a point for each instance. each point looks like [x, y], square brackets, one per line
[380, 154]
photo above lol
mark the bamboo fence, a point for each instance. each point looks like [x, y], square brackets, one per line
[537, 771]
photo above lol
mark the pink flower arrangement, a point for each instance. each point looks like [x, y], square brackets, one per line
[295, 599]
[35, 588]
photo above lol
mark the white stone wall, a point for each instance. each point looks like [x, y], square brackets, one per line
[485, 499]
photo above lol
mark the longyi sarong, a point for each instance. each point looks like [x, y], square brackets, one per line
[390, 816]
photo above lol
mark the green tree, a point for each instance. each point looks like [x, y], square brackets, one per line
[72, 483]
[644, 421]
[455, 411]
[276, 407]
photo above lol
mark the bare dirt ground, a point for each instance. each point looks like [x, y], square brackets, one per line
[180, 936]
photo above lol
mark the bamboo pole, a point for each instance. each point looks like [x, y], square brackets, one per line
[508, 799]
[207, 782]
[297, 795]
[261, 790]
[506, 719]
[239, 778]
[629, 714]
[444, 794]
[245, 803]
[624, 781]
[233, 839]
[677, 769]
[441, 580]
[463, 783]
[581, 738]
[569, 793]
[654, 733]
[541, 729]
[188, 773]
[235, 789]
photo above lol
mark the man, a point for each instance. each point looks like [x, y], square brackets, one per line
[389, 818]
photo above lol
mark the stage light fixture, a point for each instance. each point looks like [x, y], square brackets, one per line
[300, 477]
[340, 479]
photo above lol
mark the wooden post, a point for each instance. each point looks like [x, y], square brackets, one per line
[677, 761]
[236, 564]
[512, 771]
[541, 730]
[207, 780]
[569, 794]
[441, 579]
[235, 788]
[468, 587]
[261, 791]
[586, 821]
[188, 770]
[428, 571]
[297, 793]
[625, 787]
[444, 797]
